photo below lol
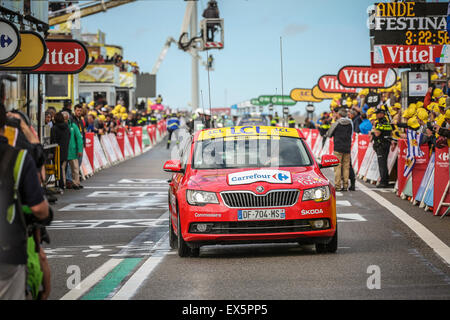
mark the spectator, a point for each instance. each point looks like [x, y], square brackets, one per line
[90, 124]
[356, 119]
[365, 126]
[342, 131]
[68, 107]
[75, 152]
[60, 134]
[48, 119]
[309, 124]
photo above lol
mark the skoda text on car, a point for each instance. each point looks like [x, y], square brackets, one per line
[241, 185]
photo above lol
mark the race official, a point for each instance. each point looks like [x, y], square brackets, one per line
[381, 137]
[173, 124]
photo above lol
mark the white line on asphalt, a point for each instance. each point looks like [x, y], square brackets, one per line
[126, 187]
[130, 287]
[426, 235]
[347, 217]
[91, 280]
[343, 203]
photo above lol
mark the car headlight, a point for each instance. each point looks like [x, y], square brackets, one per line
[318, 194]
[200, 198]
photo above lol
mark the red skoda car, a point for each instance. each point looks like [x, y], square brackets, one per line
[251, 184]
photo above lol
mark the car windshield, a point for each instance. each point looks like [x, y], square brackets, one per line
[250, 152]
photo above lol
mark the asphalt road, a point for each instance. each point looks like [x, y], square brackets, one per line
[114, 232]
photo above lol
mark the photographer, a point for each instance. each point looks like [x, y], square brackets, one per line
[20, 186]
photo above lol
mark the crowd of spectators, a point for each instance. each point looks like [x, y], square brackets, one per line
[430, 116]
[116, 59]
[69, 126]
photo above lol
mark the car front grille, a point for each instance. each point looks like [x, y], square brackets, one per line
[258, 227]
[273, 199]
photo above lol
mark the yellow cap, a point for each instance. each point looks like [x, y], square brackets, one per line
[373, 117]
[437, 93]
[123, 110]
[442, 102]
[440, 120]
[430, 107]
[413, 123]
[408, 113]
[422, 114]
[124, 116]
[397, 106]
[102, 117]
[447, 114]
[364, 92]
[434, 77]
[419, 104]
[91, 104]
[355, 102]
[436, 108]
[412, 107]
[370, 111]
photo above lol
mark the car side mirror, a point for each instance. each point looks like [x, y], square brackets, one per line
[329, 161]
[173, 166]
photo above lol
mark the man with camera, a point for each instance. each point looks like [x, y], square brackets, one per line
[20, 188]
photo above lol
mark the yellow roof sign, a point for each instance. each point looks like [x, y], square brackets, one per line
[262, 131]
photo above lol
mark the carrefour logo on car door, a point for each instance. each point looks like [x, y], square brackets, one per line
[270, 176]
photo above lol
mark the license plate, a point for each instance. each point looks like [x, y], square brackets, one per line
[266, 214]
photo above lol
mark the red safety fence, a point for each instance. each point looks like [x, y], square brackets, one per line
[427, 184]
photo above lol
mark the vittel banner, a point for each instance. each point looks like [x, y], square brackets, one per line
[366, 77]
[64, 56]
[330, 83]
[394, 55]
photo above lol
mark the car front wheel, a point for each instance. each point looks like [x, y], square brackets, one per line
[330, 247]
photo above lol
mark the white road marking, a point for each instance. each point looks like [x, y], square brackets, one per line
[109, 265]
[131, 187]
[129, 289]
[145, 204]
[153, 181]
[348, 217]
[343, 203]
[426, 235]
[127, 194]
[339, 194]
[106, 224]
[91, 280]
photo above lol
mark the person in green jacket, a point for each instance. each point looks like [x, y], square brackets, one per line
[75, 151]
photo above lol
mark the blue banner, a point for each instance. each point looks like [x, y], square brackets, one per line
[448, 18]
[425, 180]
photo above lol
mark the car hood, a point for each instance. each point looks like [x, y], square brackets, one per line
[220, 180]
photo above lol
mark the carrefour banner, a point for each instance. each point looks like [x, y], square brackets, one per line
[104, 73]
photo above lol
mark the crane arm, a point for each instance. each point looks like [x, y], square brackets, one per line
[163, 54]
[87, 10]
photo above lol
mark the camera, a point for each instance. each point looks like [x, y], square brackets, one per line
[13, 122]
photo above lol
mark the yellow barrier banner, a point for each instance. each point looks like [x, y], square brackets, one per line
[261, 131]
[303, 95]
[31, 55]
